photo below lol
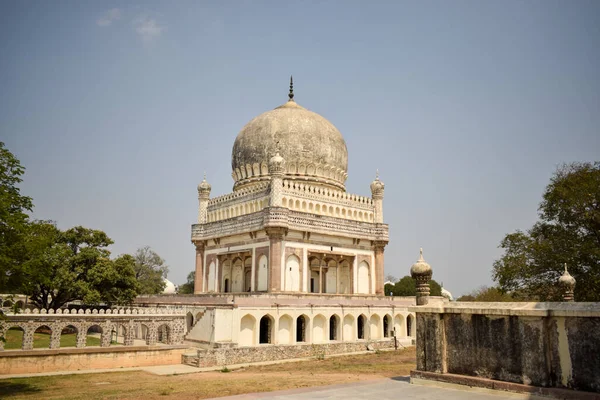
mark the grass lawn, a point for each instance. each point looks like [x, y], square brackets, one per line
[14, 340]
[136, 385]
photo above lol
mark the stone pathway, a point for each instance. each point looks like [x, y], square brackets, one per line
[384, 389]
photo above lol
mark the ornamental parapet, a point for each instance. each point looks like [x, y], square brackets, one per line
[153, 311]
[328, 195]
[294, 220]
[259, 190]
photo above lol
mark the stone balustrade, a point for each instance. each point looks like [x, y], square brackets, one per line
[153, 325]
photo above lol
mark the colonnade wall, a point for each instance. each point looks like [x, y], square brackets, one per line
[117, 326]
[332, 265]
[246, 326]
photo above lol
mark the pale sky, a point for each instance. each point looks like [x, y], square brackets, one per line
[466, 108]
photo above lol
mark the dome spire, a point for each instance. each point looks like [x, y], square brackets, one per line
[291, 94]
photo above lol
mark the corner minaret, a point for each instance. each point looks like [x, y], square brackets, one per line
[377, 189]
[203, 196]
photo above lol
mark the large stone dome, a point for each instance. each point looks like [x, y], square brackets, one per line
[313, 149]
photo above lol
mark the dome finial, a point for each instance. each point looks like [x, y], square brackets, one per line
[291, 95]
[377, 174]
[421, 254]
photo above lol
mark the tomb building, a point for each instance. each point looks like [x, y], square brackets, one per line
[289, 256]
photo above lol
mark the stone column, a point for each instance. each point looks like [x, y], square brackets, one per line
[55, 337]
[379, 247]
[253, 271]
[199, 278]
[276, 244]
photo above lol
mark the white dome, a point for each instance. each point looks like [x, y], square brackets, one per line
[169, 287]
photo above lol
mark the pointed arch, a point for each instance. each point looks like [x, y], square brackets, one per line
[247, 331]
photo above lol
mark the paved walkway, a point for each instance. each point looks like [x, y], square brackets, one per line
[384, 389]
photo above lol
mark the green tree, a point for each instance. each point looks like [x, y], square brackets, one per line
[14, 219]
[188, 287]
[74, 265]
[150, 271]
[568, 232]
[485, 293]
[408, 287]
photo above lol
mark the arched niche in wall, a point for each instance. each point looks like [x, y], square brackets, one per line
[364, 281]
[292, 274]
[263, 274]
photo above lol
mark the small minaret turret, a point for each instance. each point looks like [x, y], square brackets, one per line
[567, 282]
[203, 196]
[421, 273]
[276, 170]
[377, 189]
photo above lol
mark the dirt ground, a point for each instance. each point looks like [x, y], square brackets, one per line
[136, 385]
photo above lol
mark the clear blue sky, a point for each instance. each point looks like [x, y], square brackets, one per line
[465, 107]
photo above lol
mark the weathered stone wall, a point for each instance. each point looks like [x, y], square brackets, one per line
[36, 361]
[243, 355]
[540, 344]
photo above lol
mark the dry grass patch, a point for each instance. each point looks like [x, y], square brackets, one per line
[135, 385]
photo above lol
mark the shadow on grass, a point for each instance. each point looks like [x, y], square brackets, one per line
[8, 388]
[401, 378]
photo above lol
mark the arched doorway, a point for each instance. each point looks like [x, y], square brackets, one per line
[361, 326]
[189, 321]
[301, 323]
[334, 327]
[387, 326]
[266, 327]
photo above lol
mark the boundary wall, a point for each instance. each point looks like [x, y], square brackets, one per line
[552, 345]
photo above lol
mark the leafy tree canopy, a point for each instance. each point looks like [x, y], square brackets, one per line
[408, 287]
[74, 265]
[188, 287]
[568, 232]
[150, 271]
[13, 218]
[485, 293]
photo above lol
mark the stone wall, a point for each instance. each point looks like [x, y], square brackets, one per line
[540, 344]
[36, 361]
[243, 355]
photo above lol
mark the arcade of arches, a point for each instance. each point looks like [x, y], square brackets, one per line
[324, 273]
[322, 328]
